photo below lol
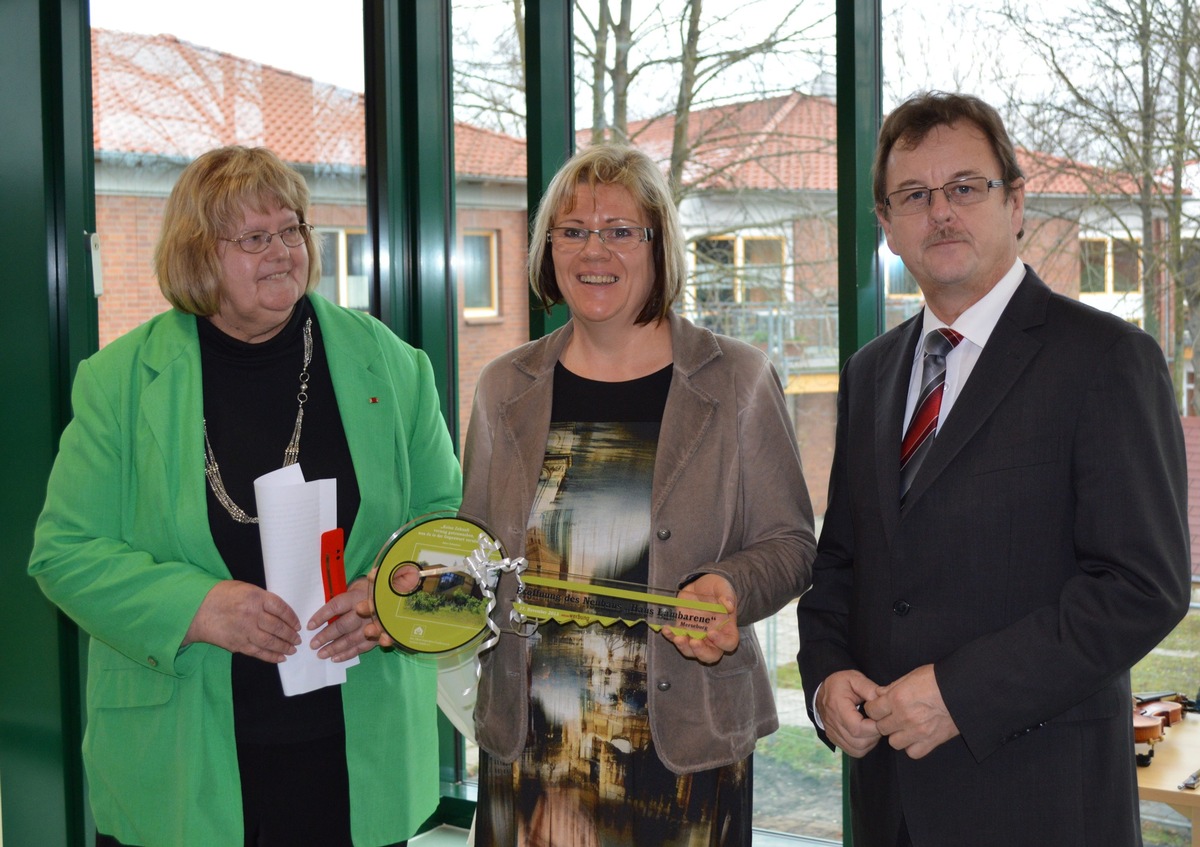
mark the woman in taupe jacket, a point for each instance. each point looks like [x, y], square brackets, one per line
[635, 446]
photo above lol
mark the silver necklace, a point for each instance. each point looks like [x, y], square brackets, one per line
[291, 453]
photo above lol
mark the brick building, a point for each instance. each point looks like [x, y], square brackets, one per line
[759, 210]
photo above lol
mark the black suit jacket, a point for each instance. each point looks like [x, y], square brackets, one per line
[1042, 550]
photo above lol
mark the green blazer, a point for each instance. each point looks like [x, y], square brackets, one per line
[123, 547]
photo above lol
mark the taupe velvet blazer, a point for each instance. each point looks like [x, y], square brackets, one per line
[728, 497]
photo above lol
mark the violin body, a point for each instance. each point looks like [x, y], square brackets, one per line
[1170, 712]
[1152, 716]
[1147, 729]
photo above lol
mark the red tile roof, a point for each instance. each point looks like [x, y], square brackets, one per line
[785, 142]
[1046, 174]
[481, 152]
[157, 95]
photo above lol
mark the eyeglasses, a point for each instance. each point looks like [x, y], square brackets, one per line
[260, 239]
[619, 239]
[960, 192]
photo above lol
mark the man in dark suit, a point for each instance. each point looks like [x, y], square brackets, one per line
[973, 618]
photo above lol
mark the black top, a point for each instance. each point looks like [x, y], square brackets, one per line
[250, 403]
[577, 398]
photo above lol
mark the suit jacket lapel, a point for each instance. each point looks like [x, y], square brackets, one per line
[366, 403]
[524, 424]
[1008, 353]
[172, 406]
[891, 388]
[689, 412]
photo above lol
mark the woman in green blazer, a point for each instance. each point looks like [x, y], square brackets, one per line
[148, 540]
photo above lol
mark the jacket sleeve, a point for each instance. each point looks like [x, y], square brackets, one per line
[774, 562]
[139, 606]
[823, 612]
[436, 475]
[477, 451]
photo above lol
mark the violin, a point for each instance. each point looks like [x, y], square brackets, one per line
[1153, 714]
[1170, 711]
[1147, 729]
[1186, 703]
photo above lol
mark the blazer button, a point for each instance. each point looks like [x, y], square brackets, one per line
[901, 607]
[663, 534]
[664, 686]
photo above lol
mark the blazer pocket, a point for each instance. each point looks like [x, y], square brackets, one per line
[742, 661]
[1002, 457]
[115, 682]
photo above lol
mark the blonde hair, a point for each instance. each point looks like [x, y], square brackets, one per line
[207, 203]
[610, 164]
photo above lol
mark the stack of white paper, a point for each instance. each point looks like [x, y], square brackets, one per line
[292, 514]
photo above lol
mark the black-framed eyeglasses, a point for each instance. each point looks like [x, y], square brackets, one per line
[259, 240]
[960, 192]
[619, 239]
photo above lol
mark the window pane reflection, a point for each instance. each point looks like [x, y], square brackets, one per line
[1067, 79]
[169, 85]
[489, 165]
[749, 146]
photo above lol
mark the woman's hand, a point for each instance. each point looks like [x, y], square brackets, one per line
[243, 618]
[722, 635]
[365, 609]
[347, 631]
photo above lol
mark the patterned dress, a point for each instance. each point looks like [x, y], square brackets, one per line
[589, 774]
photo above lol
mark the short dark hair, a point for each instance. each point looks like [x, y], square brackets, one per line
[912, 120]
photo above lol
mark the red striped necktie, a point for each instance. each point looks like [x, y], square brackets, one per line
[923, 426]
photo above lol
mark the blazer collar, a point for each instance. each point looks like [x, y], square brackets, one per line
[691, 348]
[367, 404]
[173, 406]
[895, 358]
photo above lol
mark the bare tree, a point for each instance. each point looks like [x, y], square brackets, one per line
[1123, 98]
[679, 58]
[489, 64]
[637, 63]
[707, 87]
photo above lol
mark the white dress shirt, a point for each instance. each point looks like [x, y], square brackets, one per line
[975, 325]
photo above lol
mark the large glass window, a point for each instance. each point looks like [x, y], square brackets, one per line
[169, 84]
[491, 212]
[1068, 81]
[490, 185]
[739, 111]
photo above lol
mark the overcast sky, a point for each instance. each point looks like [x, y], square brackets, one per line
[323, 40]
[314, 38]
